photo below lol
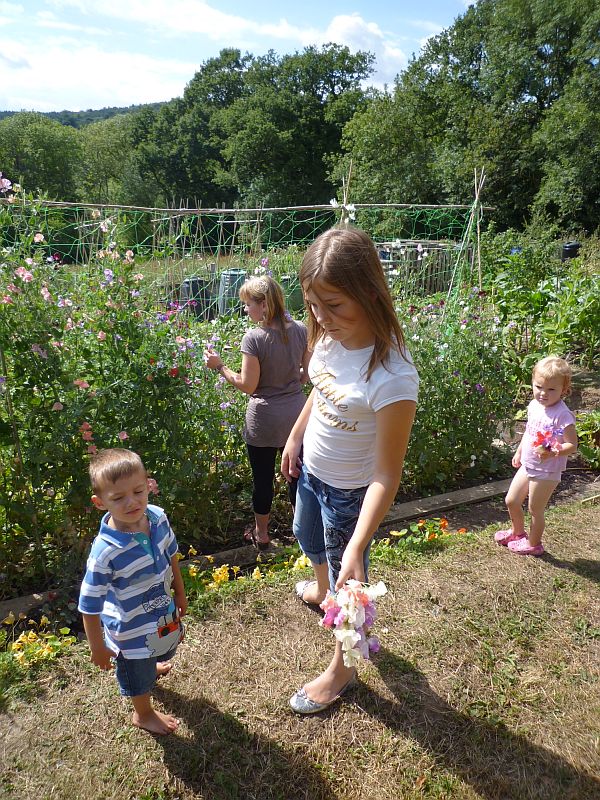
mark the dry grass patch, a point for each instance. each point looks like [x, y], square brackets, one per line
[487, 687]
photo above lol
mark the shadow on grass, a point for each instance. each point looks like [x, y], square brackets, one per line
[496, 763]
[224, 761]
[584, 567]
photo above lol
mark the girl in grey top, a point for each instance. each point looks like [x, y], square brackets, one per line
[275, 360]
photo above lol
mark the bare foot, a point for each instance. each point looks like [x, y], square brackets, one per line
[155, 722]
[328, 686]
[163, 668]
[312, 595]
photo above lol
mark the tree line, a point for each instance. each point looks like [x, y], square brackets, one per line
[512, 87]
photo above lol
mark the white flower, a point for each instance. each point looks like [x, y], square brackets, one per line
[376, 590]
[334, 203]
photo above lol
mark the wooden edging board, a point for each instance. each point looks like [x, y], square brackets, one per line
[442, 502]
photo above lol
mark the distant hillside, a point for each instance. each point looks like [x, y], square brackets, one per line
[78, 119]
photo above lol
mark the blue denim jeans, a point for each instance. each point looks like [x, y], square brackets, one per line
[325, 520]
[137, 676]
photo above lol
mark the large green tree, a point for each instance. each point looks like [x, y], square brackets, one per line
[489, 93]
[42, 154]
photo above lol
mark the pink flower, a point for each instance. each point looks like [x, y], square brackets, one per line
[92, 449]
[138, 276]
[39, 237]
[85, 426]
[13, 289]
[123, 435]
[46, 294]
[24, 274]
[57, 406]
[81, 384]
[36, 348]
[153, 486]
[7, 300]
[87, 436]
[101, 336]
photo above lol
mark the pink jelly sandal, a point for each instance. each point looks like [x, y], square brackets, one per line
[522, 548]
[504, 537]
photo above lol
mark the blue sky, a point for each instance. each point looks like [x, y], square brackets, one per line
[80, 54]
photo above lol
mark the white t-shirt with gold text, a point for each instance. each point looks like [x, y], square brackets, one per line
[339, 441]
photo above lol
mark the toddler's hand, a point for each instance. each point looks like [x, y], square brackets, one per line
[181, 604]
[103, 658]
[516, 460]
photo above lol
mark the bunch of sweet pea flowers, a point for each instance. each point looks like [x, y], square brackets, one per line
[548, 440]
[351, 613]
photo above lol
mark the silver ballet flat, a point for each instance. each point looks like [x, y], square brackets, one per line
[301, 703]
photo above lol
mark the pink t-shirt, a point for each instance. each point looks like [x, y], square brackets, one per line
[543, 419]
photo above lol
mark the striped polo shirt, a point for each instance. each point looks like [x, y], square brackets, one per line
[128, 583]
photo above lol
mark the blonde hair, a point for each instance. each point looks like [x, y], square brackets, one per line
[107, 466]
[263, 289]
[553, 367]
[347, 259]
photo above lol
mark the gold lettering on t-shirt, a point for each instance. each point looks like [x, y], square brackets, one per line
[324, 382]
[333, 419]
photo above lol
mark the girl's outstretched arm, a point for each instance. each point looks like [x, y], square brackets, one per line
[290, 458]
[246, 380]
[393, 426]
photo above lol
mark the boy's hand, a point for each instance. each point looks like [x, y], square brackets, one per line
[103, 658]
[181, 603]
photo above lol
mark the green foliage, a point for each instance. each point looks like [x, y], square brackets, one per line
[588, 432]
[511, 88]
[545, 305]
[41, 153]
[88, 362]
[24, 657]
[465, 393]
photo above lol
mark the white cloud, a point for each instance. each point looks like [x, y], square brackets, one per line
[358, 34]
[10, 9]
[96, 78]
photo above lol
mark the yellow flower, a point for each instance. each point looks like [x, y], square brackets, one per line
[44, 620]
[193, 571]
[210, 559]
[32, 636]
[235, 570]
[16, 645]
[192, 552]
[20, 657]
[9, 619]
[301, 562]
[257, 574]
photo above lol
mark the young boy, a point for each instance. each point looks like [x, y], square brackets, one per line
[130, 618]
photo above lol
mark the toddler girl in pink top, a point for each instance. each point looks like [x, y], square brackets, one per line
[541, 456]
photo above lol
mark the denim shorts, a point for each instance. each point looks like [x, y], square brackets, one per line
[325, 520]
[137, 676]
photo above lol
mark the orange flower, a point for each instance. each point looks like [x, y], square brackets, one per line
[461, 530]
[420, 523]
[443, 523]
[432, 536]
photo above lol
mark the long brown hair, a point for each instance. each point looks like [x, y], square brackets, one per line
[347, 259]
[262, 288]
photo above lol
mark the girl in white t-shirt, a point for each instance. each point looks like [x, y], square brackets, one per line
[541, 457]
[353, 431]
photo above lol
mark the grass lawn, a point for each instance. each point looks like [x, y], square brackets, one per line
[487, 686]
